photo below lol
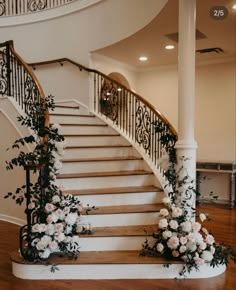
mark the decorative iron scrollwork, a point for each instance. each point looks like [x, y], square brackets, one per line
[3, 72]
[143, 127]
[2, 7]
[36, 5]
[109, 100]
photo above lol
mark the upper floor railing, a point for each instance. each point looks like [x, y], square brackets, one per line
[129, 112]
[20, 7]
[17, 80]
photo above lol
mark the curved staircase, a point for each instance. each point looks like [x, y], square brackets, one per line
[103, 170]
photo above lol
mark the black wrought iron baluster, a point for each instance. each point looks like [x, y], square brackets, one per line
[21, 86]
[2, 8]
[8, 66]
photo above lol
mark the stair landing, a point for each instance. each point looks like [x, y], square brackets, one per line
[106, 265]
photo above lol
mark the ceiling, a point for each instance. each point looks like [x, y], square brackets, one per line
[151, 40]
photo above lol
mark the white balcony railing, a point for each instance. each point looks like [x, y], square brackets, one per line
[22, 7]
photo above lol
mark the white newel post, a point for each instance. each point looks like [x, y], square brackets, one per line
[186, 145]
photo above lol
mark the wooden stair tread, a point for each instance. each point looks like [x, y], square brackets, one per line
[114, 190]
[123, 231]
[104, 174]
[67, 106]
[99, 257]
[121, 158]
[98, 146]
[131, 208]
[81, 125]
[91, 135]
[71, 115]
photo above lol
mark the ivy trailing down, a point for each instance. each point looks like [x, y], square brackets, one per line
[53, 218]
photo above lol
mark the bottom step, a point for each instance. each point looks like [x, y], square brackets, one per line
[107, 265]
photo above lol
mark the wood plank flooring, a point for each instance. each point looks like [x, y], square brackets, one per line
[223, 226]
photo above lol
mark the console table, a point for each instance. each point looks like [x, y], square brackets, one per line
[220, 167]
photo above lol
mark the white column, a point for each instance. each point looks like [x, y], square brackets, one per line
[186, 145]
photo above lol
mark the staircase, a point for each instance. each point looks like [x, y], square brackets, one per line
[102, 169]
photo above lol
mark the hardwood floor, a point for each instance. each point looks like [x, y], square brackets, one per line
[223, 226]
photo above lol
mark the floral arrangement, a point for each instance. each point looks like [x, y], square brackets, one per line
[54, 220]
[179, 236]
[185, 240]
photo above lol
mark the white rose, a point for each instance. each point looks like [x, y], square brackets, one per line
[166, 234]
[183, 240]
[207, 256]
[160, 247]
[202, 217]
[46, 239]
[68, 230]
[41, 245]
[49, 207]
[196, 226]
[173, 242]
[173, 224]
[60, 213]
[50, 229]
[202, 246]
[166, 200]
[176, 211]
[163, 223]
[191, 246]
[53, 245]
[186, 226]
[45, 254]
[71, 218]
[164, 212]
[182, 249]
[210, 240]
[60, 237]
[56, 198]
[212, 250]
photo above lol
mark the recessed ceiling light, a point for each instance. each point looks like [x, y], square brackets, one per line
[169, 46]
[143, 58]
[234, 7]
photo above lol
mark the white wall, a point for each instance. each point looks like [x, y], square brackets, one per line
[215, 105]
[108, 65]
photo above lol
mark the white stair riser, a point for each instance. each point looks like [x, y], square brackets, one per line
[112, 243]
[87, 130]
[75, 119]
[78, 111]
[122, 199]
[101, 182]
[98, 152]
[91, 140]
[112, 271]
[127, 219]
[79, 167]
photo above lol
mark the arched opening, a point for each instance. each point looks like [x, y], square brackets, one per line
[120, 78]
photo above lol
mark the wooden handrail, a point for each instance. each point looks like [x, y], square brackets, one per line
[81, 67]
[34, 78]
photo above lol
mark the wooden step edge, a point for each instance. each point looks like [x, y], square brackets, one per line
[67, 106]
[91, 135]
[98, 146]
[102, 159]
[97, 257]
[126, 209]
[104, 174]
[122, 231]
[72, 115]
[81, 125]
[114, 190]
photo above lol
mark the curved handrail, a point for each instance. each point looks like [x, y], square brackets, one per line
[130, 113]
[19, 81]
[81, 67]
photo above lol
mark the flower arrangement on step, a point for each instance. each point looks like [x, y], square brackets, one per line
[178, 236]
[54, 219]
